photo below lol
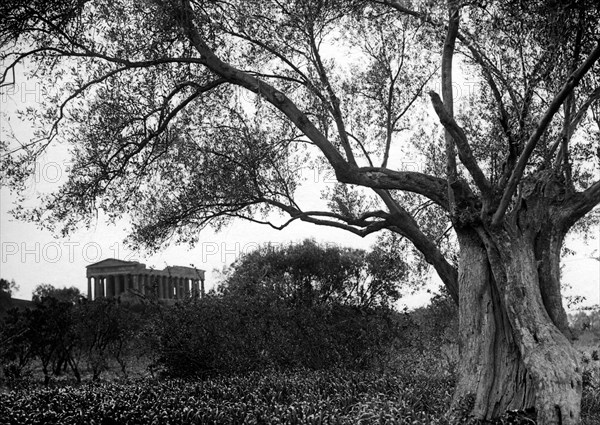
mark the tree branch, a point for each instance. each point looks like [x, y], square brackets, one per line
[447, 55]
[359, 226]
[405, 224]
[335, 103]
[433, 188]
[576, 119]
[580, 204]
[345, 173]
[464, 150]
[517, 173]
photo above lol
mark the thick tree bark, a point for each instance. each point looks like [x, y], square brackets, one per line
[492, 377]
[513, 355]
[548, 245]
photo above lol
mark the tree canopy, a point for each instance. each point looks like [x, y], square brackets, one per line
[310, 274]
[45, 291]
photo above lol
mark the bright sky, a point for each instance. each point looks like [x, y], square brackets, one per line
[32, 256]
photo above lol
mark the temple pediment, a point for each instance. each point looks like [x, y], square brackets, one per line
[113, 262]
[112, 265]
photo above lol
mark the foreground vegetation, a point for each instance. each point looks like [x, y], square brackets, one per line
[300, 397]
[305, 397]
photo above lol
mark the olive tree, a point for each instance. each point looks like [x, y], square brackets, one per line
[185, 113]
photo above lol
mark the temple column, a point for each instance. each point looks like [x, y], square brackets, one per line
[186, 287]
[95, 285]
[170, 288]
[110, 286]
[165, 289]
[89, 294]
[202, 288]
[150, 285]
[120, 281]
[101, 283]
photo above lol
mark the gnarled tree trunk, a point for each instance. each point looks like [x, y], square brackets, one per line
[514, 352]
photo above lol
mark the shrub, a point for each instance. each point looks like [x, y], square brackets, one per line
[230, 334]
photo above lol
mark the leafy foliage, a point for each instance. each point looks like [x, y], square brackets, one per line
[7, 287]
[312, 274]
[6, 291]
[46, 291]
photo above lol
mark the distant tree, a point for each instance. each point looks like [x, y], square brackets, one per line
[7, 288]
[54, 337]
[16, 350]
[312, 274]
[69, 295]
[51, 334]
[106, 330]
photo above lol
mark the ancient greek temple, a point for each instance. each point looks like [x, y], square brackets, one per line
[113, 278]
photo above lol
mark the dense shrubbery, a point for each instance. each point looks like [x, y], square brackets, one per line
[231, 334]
